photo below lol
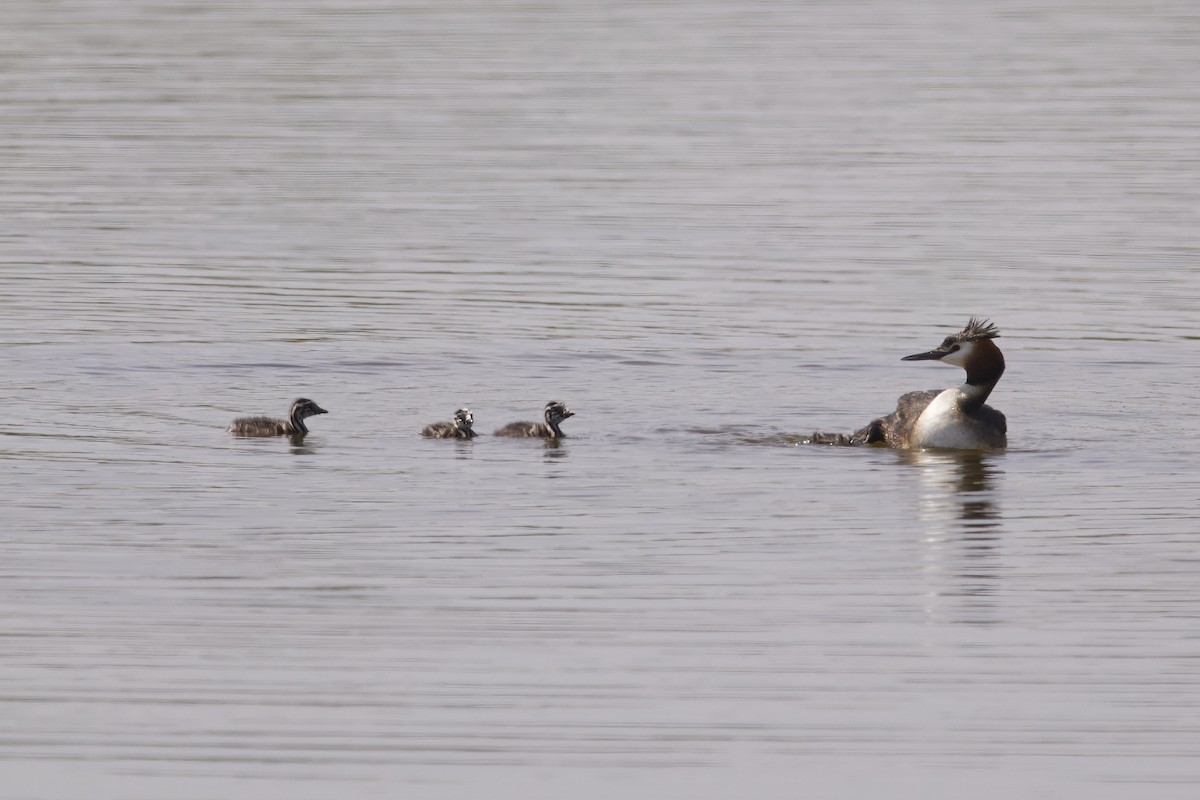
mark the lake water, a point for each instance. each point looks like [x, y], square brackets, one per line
[710, 228]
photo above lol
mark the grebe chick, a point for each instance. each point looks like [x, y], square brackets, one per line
[294, 425]
[555, 413]
[955, 417]
[457, 428]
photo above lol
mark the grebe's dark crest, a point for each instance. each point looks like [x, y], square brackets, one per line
[952, 418]
[301, 410]
[554, 414]
[458, 428]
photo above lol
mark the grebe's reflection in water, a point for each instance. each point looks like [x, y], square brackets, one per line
[960, 534]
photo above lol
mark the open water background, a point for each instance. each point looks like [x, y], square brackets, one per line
[711, 228]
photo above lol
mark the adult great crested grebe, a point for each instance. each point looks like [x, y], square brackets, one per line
[952, 418]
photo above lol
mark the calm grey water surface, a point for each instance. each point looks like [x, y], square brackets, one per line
[711, 228]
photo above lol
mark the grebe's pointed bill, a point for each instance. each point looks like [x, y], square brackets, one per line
[929, 355]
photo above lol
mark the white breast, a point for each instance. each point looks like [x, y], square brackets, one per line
[942, 424]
